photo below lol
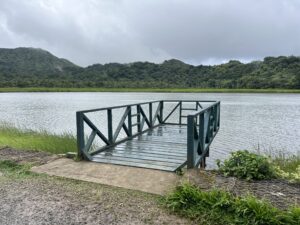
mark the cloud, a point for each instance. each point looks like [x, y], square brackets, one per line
[194, 31]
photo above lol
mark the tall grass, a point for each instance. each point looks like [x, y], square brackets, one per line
[27, 139]
[286, 164]
[221, 207]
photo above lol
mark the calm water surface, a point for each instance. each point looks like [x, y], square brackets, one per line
[248, 121]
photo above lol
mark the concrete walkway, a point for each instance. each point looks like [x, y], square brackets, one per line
[146, 180]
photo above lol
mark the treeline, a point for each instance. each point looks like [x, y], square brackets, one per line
[27, 67]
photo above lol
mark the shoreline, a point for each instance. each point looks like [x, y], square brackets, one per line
[150, 90]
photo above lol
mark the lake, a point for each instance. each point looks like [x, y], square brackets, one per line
[268, 122]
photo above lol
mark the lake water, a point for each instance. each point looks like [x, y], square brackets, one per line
[248, 121]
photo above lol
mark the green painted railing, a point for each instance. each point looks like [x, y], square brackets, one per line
[135, 119]
[202, 128]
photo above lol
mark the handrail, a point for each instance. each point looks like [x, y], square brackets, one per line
[142, 103]
[141, 117]
[202, 128]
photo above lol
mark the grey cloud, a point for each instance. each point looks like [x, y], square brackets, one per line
[104, 31]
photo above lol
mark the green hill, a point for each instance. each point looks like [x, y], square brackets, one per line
[29, 67]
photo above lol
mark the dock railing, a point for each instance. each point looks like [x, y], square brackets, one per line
[100, 129]
[202, 128]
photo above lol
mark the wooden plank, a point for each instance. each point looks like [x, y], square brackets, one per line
[150, 154]
[157, 143]
[141, 156]
[165, 141]
[140, 161]
[180, 151]
[162, 148]
[160, 144]
[151, 150]
[124, 163]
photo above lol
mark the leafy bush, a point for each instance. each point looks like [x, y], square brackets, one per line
[221, 207]
[247, 165]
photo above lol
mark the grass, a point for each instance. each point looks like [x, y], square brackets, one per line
[40, 141]
[11, 169]
[287, 163]
[175, 90]
[221, 207]
[288, 167]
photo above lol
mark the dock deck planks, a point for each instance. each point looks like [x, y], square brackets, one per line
[162, 148]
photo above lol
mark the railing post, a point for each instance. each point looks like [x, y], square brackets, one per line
[80, 134]
[180, 112]
[190, 142]
[219, 110]
[215, 117]
[129, 122]
[138, 111]
[161, 111]
[109, 126]
[201, 133]
[150, 114]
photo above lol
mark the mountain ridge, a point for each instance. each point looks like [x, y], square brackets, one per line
[35, 67]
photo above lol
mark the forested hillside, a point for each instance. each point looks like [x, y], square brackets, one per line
[29, 67]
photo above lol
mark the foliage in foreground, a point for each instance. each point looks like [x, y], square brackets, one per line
[251, 166]
[33, 140]
[220, 207]
[247, 165]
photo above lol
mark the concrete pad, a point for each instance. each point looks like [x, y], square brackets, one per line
[146, 180]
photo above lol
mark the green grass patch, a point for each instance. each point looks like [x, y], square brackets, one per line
[32, 140]
[220, 207]
[11, 169]
[175, 90]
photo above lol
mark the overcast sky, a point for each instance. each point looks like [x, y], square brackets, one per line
[194, 31]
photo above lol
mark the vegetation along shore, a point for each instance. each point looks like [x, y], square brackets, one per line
[164, 90]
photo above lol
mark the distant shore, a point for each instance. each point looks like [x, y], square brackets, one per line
[171, 90]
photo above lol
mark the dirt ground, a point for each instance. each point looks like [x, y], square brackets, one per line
[41, 199]
[26, 156]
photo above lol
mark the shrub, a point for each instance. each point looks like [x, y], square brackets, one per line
[247, 165]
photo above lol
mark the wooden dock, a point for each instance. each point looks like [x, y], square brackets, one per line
[164, 135]
[163, 148]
